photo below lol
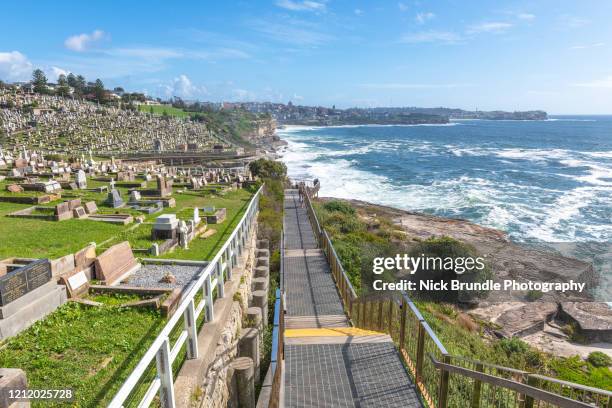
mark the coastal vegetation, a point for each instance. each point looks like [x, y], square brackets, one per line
[358, 237]
[270, 226]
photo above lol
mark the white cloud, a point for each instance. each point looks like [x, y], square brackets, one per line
[402, 6]
[55, 72]
[183, 87]
[431, 36]
[358, 12]
[305, 5]
[598, 83]
[489, 27]
[14, 66]
[422, 18]
[525, 16]
[81, 42]
[585, 46]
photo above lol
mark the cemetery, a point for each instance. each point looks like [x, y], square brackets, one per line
[104, 232]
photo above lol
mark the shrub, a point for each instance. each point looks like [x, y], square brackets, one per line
[340, 206]
[513, 345]
[599, 359]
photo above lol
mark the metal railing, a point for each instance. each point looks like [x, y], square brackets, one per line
[278, 339]
[444, 380]
[172, 342]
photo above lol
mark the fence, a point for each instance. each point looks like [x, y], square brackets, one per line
[444, 380]
[173, 343]
[276, 361]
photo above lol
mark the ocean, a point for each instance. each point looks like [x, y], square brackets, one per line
[542, 181]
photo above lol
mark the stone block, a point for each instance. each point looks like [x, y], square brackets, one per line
[85, 257]
[115, 263]
[62, 265]
[38, 306]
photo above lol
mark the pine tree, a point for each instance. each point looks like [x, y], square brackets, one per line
[39, 80]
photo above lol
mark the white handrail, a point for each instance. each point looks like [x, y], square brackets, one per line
[242, 230]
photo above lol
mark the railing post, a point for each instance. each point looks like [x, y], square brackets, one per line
[164, 371]
[220, 278]
[420, 353]
[230, 261]
[529, 401]
[477, 387]
[443, 390]
[208, 295]
[192, 332]
[380, 315]
[391, 302]
[403, 307]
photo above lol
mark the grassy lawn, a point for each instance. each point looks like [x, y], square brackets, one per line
[236, 203]
[160, 109]
[53, 239]
[89, 349]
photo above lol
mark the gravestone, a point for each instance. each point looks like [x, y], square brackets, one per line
[79, 212]
[76, 284]
[72, 204]
[62, 211]
[164, 186]
[114, 199]
[217, 217]
[91, 207]
[85, 257]
[22, 280]
[165, 227]
[62, 265]
[81, 179]
[135, 196]
[196, 215]
[115, 263]
[14, 188]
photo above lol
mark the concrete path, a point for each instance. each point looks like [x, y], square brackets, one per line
[327, 362]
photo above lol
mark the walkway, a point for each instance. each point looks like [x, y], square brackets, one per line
[327, 362]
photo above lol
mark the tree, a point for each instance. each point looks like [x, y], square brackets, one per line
[119, 90]
[72, 80]
[39, 80]
[80, 84]
[63, 88]
[265, 168]
[98, 90]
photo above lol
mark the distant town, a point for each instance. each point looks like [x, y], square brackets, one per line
[75, 86]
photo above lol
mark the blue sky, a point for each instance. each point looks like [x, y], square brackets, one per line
[515, 55]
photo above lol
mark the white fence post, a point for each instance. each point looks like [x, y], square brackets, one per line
[192, 331]
[208, 295]
[164, 371]
[220, 278]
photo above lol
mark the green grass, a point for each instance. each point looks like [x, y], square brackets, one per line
[236, 203]
[89, 349]
[160, 109]
[53, 239]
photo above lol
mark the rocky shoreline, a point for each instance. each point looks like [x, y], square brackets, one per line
[543, 322]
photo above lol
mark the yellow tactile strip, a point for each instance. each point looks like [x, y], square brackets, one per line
[329, 332]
